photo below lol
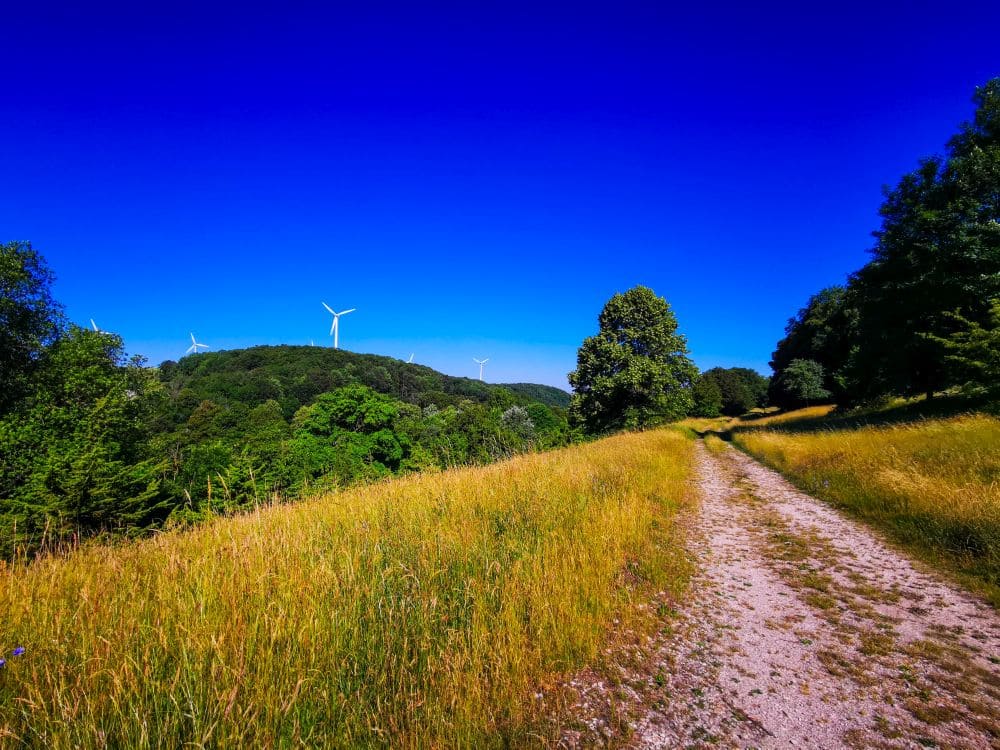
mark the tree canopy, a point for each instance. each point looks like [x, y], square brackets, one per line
[29, 317]
[906, 322]
[823, 331]
[740, 389]
[636, 371]
[936, 255]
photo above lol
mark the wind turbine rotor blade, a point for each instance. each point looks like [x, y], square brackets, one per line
[329, 309]
[192, 339]
[486, 360]
[94, 325]
[344, 312]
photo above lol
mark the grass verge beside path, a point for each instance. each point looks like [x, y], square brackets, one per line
[933, 485]
[418, 612]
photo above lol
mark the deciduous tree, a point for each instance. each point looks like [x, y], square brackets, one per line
[636, 371]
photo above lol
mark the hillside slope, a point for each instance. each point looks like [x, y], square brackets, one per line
[421, 612]
[544, 394]
[295, 375]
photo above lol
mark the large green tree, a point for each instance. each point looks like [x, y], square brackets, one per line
[29, 318]
[937, 255]
[72, 456]
[636, 371]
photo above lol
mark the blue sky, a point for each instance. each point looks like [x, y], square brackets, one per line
[476, 180]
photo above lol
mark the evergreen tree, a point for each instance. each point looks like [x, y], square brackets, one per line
[973, 353]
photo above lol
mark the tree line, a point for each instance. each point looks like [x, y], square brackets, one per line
[923, 315]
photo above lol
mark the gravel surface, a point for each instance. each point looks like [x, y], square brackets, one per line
[803, 629]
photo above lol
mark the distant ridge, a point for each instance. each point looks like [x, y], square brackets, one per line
[295, 375]
[546, 394]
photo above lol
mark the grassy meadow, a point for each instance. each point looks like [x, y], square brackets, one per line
[424, 611]
[931, 484]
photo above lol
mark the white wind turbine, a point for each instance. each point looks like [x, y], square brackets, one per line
[335, 328]
[193, 349]
[410, 360]
[481, 363]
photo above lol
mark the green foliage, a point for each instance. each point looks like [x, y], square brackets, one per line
[543, 394]
[91, 443]
[29, 318]
[801, 383]
[740, 389]
[973, 353]
[903, 324]
[707, 398]
[635, 372]
[295, 375]
[348, 434]
[823, 331]
[72, 461]
[937, 253]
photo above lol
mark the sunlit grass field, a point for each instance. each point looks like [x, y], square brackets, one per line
[932, 484]
[419, 612]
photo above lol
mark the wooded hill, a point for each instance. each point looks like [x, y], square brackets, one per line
[295, 375]
[91, 441]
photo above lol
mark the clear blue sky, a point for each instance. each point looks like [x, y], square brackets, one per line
[477, 181]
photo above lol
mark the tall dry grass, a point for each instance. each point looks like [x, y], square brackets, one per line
[418, 612]
[933, 484]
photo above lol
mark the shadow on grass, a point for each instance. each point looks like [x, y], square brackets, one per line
[846, 419]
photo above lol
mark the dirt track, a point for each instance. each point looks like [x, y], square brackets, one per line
[803, 629]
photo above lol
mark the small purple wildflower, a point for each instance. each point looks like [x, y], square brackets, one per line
[18, 651]
[3, 663]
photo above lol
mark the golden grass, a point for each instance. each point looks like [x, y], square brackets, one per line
[781, 418]
[714, 443]
[702, 425]
[932, 484]
[418, 612]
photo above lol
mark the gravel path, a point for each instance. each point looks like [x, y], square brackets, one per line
[805, 630]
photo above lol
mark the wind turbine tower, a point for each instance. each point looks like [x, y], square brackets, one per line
[481, 363]
[335, 327]
[193, 349]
